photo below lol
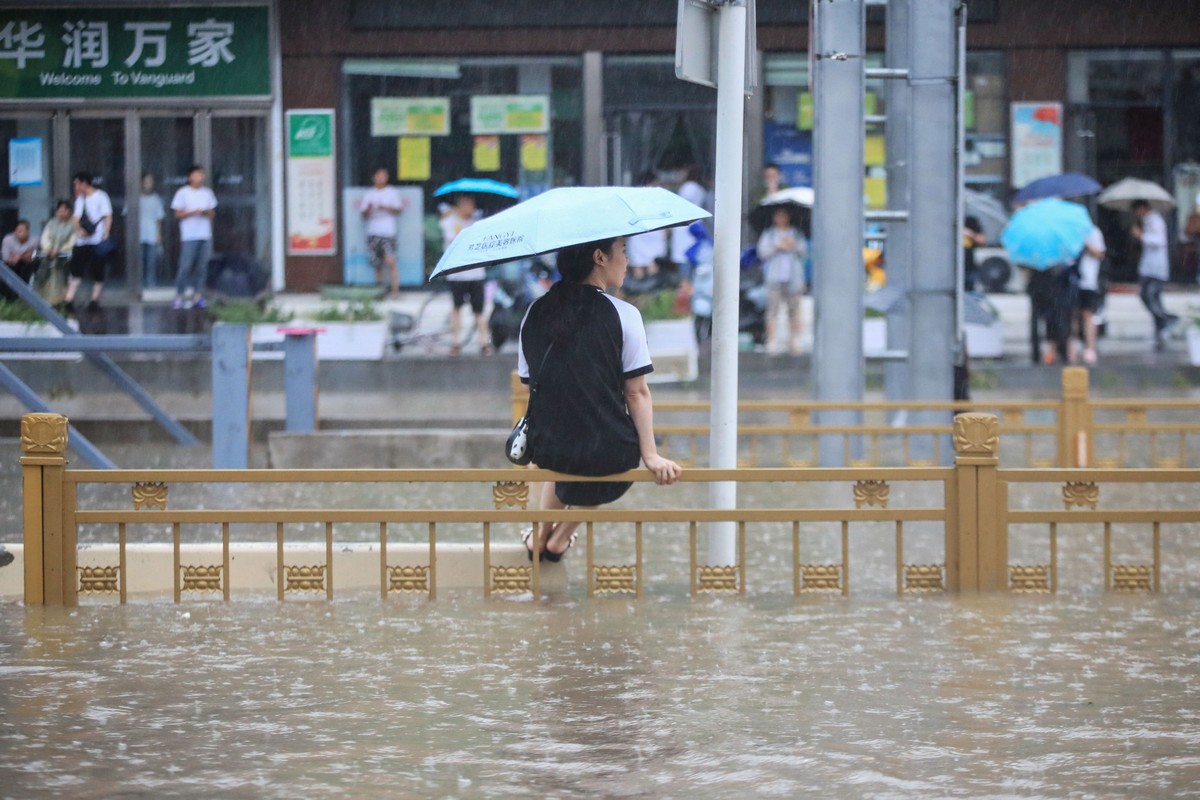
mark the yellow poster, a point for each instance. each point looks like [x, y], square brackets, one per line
[413, 157]
[875, 190]
[874, 152]
[533, 152]
[486, 154]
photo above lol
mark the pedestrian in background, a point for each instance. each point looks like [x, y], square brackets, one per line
[17, 249]
[782, 250]
[772, 182]
[1153, 268]
[150, 217]
[93, 227]
[194, 205]
[1090, 297]
[466, 286]
[645, 249]
[58, 240]
[381, 207]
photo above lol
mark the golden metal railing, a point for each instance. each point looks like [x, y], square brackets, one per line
[971, 510]
[1071, 431]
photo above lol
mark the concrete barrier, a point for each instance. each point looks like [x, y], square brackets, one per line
[252, 567]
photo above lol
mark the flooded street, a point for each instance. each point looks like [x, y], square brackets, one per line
[1001, 697]
[1080, 694]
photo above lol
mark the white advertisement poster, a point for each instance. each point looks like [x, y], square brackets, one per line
[1036, 141]
[311, 183]
[25, 161]
[410, 238]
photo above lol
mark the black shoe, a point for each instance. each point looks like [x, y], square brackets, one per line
[93, 305]
[6, 557]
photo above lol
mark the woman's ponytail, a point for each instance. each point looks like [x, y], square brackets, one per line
[567, 298]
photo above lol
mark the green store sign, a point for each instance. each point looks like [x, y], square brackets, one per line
[214, 51]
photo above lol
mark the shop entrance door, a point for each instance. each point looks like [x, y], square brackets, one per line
[97, 144]
[166, 150]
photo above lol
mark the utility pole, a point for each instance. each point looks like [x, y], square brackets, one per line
[838, 82]
[715, 47]
[934, 227]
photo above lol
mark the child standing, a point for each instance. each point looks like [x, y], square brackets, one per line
[782, 250]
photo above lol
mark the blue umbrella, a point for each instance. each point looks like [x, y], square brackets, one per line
[1069, 184]
[477, 186]
[1046, 233]
[563, 217]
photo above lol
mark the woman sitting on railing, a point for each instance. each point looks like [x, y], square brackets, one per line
[583, 354]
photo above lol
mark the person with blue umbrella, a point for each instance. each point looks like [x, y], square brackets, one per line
[1046, 237]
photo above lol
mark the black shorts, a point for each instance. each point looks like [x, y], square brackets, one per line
[462, 291]
[590, 494]
[1089, 300]
[86, 265]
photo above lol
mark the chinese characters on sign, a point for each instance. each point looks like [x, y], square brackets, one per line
[127, 52]
[492, 114]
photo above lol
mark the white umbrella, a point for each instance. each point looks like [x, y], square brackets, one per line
[563, 217]
[1122, 195]
[800, 195]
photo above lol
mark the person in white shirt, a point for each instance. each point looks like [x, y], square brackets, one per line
[93, 209]
[1153, 268]
[381, 206]
[1090, 298]
[150, 217]
[466, 286]
[782, 249]
[194, 205]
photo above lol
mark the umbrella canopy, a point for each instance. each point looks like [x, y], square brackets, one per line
[563, 217]
[990, 212]
[1047, 233]
[476, 186]
[1122, 195]
[1069, 184]
[797, 200]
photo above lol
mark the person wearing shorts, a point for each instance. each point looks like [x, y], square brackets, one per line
[381, 208]
[782, 249]
[86, 263]
[1090, 299]
[467, 286]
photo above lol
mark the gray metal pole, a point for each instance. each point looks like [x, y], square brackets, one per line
[231, 396]
[935, 235]
[898, 257]
[29, 398]
[300, 380]
[100, 360]
[838, 373]
[727, 240]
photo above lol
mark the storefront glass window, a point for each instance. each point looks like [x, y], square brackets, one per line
[32, 197]
[656, 123]
[985, 105]
[240, 180]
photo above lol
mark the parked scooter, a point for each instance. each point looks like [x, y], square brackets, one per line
[752, 292]
[513, 296]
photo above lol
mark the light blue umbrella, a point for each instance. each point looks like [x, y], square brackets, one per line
[477, 186]
[562, 217]
[1046, 233]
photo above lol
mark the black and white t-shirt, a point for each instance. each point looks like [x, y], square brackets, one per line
[580, 424]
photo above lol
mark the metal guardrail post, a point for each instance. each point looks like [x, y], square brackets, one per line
[231, 396]
[49, 552]
[300, 379]
[520, 397]
[1076, 445]
[977, 542]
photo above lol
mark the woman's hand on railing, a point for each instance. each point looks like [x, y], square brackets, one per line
[665, 470]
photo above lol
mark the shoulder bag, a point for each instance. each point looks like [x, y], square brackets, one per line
[517, 447]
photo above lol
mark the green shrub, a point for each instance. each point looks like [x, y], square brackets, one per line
[248, 312]
[663, 304]
[351, 312]
[18, 311]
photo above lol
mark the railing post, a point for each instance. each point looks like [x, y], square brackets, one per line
[300, 379]
[520, 397]
[1075, 440]
[977, 546]
[231, 396]
[49, 549]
